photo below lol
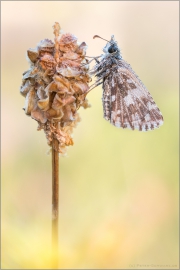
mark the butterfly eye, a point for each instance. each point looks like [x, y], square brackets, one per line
[112, 48]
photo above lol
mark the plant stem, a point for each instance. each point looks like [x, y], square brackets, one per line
[55, 200]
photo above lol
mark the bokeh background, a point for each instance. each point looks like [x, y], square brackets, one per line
[118, 188]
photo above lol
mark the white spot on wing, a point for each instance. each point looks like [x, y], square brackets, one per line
[147, 117]
[113, 98]
[129, 80]
[151, 106]
[128, 100]
[113, 115]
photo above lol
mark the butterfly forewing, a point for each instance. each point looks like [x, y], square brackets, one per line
[126, 101]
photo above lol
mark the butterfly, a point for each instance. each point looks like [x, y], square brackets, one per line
[126, 101]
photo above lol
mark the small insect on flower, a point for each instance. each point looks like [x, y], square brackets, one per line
[126, 101]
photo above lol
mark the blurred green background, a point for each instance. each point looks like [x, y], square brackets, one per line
[118, 188]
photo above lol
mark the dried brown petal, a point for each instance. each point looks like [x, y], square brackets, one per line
[30, 102]
[45, 46]
[68, 100]
[80, 87]
[28, 74]
[69, 129]
[39, 115]
[47, 62]
[68, 38]
[62, 80]
[68, 115]
[57, 87]
[52, 87]
[68, 42]
[82, 49]
[43, 104]
[45, 43]
[64, 62]
[57, 102]
[62, 89]
[71, 56]
[55, 114]
[41, 93]
[26, 88]
[85, 65]
[33, 54]
[69, 72]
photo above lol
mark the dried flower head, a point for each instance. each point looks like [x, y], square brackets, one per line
[56, 85]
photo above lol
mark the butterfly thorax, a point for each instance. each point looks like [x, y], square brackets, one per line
[108, 63]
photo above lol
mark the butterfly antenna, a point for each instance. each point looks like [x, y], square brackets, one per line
[96, 36]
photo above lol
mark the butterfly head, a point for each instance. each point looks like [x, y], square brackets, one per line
[112, 48]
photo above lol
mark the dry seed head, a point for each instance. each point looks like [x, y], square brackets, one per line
[56, 85]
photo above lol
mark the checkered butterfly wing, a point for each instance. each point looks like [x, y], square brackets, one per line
[126, 101]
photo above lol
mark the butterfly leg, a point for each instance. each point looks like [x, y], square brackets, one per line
[98, 82]
[97, 61]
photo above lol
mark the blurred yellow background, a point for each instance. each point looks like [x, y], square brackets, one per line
[118, 188]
